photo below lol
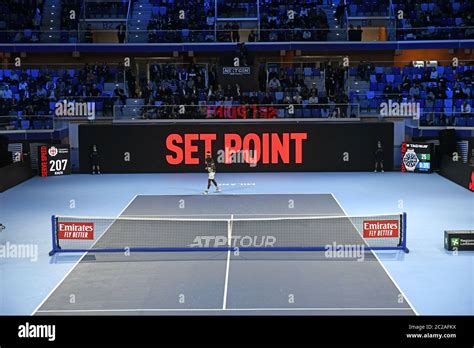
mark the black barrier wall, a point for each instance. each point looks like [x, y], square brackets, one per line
[236, 147]
[458, 172]
[15, 174]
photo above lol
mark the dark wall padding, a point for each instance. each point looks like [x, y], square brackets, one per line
[321, 146]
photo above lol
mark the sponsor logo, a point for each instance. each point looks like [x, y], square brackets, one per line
[344, 251]
[381, 229]
[240, 70]
[241, 111]
[28, 330]
[455, 242]
[76, 230]
[416, 157]
[52, 151]
[467, 242]
[235, 241]
[403, 109]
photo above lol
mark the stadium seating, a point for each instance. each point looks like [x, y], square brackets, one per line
[162, 21]
[442, 90]
[34, 92]
[436, 19]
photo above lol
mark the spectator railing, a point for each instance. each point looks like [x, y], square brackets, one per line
[456, 119]
[226, 111]
[404, 105]
[302, 34]
[84, 107]
[228, 9]
[367, 9]
[434, 33]
[372, 103]
[224, 35]
[106, 9]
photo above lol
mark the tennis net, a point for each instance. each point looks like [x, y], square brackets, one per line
[122, 234]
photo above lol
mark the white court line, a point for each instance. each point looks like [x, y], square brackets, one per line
[77, 263]
[225, 292]
[226, 281]
[229, 241]
[380, 262]
[222, 309]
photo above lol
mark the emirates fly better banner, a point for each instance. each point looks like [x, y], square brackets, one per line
[75, 230]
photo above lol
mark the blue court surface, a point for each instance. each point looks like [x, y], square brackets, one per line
[426, 281]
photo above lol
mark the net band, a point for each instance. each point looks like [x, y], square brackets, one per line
[122, 234]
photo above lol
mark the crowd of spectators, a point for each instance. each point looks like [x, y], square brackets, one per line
[438, 19]
[69, 21]
[229, 32]
[281, 21]
[445, 93]
[361, 8]
[195, 86]
[106, 9]
[241, 8]
[168, 25]
[355, 34]
[70, 12]
[20, 20]
[30, 93]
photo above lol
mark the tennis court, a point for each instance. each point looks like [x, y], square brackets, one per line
[239, 280]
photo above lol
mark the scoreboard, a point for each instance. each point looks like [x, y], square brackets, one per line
[54, 160]
[417, 157]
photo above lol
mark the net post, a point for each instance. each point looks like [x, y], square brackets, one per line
[53, 236]
[404, 223]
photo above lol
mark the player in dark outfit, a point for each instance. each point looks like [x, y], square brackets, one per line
[94, 158]
[378, 157]
[211, 169]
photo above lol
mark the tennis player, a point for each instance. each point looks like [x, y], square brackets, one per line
[211, 170]
[94, 158]
[378, 157]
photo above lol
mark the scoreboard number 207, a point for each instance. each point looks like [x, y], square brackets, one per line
[54, 160]
[58, 165]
